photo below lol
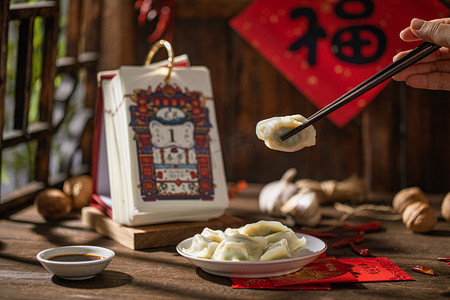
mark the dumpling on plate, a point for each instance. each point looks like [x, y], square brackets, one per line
[294, 243]
[213, 235]
[201, 247]
[231, 231]
[271, 130]
[277, 250]
[263, 240]
[240, 247]
[263, 228]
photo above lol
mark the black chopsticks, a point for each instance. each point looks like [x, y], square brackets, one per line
[399, 65]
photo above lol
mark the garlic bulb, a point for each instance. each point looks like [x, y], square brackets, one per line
[303, 208]
[330, 191]
[313, 185]
[274, 194]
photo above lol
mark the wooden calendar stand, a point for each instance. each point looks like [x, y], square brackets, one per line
[151, 236]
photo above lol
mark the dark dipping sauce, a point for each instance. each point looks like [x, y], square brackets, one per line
[76, 257]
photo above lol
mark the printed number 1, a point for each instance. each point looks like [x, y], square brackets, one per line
[171, 135]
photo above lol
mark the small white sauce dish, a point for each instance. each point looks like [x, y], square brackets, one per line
[77, 268]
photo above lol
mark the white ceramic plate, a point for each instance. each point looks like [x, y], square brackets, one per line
[257, 269]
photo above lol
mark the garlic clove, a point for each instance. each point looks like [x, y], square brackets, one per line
[270, 198]
[350, 189]
[304, 208]
[312, 185]
[274, 194]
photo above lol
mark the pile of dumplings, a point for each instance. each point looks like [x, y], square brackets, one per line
[260, 241]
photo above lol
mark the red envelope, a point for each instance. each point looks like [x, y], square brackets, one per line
[322, 272]
[327, 270]
[344, 270]
[266, 283]
[325, 48]
[375, 269]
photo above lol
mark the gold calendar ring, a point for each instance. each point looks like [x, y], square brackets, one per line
[156, 46]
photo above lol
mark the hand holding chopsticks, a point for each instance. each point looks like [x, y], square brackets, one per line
[399, 65]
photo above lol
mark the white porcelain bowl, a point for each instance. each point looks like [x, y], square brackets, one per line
[76, 270]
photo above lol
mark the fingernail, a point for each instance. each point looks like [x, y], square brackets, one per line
[417, 24]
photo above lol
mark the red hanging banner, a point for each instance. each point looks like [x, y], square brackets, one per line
[325, 48]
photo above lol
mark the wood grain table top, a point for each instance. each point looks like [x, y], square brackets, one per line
[161, 273]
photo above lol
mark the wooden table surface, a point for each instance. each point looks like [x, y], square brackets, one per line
[163, 274]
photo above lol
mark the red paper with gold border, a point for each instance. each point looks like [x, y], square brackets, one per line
[327, 47]
[326, 270]
[266, 284]
[375, 269]
[344, 270]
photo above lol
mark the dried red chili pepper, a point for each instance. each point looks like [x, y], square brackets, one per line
[359, 250]
[423, 270]
[163, 21]
[144, 7]
[444, 259]
[353, 239]
[318, 234]
[366, 227]
[160, 12]
[448, 264]
[237, 188]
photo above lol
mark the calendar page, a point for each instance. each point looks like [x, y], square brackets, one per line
[175, 136]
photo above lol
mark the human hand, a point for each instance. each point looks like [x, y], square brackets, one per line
[432, 72]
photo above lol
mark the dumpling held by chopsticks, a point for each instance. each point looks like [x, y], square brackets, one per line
[271, 130]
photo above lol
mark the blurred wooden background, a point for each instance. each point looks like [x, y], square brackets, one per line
[401, 139]
[392, 143]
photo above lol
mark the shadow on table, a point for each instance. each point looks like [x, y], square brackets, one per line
[440, 233]
[213, 278]
[103, 280]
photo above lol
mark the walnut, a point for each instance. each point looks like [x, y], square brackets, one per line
[407, 196]
[419, 217]
[445, 207]
[80, 190]
[52, 203]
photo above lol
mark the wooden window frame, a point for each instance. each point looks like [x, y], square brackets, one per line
[83, 19]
